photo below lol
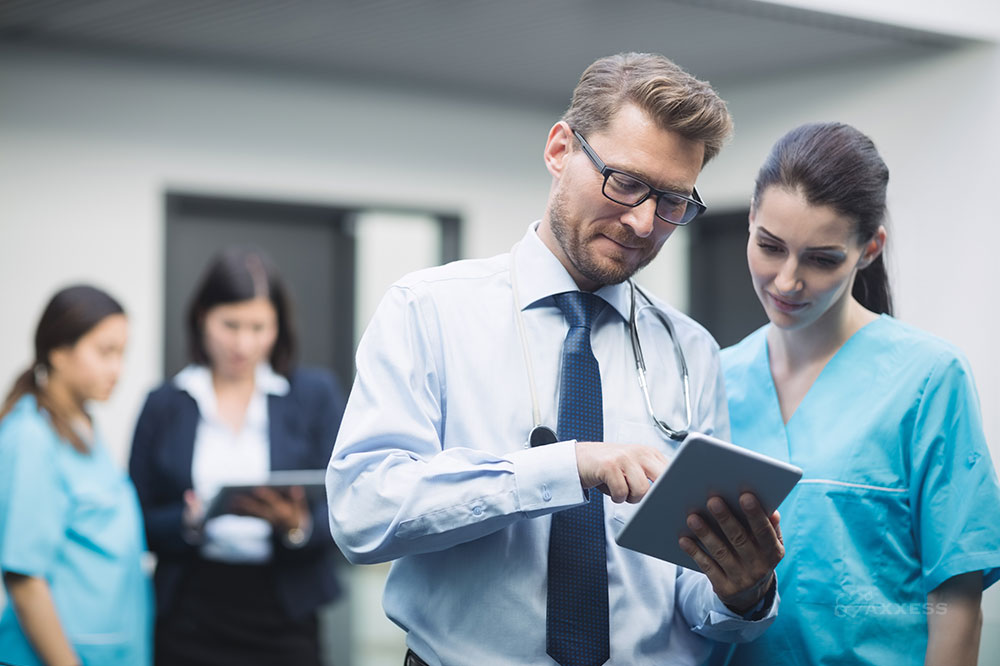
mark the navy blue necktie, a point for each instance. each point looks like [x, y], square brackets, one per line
[576, 619]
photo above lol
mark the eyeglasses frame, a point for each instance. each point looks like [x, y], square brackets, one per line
[606, 171]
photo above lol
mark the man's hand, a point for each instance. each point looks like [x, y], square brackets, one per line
[739, 564]
[622, 471]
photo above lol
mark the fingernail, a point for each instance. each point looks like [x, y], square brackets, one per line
[694, 522]
[748, 502]
[716, 506]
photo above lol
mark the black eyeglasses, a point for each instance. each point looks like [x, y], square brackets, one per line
[627, 190]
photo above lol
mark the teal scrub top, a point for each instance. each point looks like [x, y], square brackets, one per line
[74, 520]
[898, 495]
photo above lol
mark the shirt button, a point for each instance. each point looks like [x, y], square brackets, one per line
[546, 495]
[477, 510]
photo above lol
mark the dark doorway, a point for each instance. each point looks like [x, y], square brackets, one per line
[722, 298]
[311, 247]
[314, 248]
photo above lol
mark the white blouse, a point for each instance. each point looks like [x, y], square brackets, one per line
[224, 457]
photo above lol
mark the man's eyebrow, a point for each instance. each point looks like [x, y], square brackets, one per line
[649, 180]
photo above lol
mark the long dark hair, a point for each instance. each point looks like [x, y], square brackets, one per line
[242, 274]
[835, 165]
[71, 314]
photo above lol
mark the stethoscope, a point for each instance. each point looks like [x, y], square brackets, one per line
[542, 434]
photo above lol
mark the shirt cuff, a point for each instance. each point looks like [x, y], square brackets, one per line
[722, 624]
[761, 609]
[547, 478]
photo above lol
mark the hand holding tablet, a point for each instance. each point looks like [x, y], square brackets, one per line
[705, 467]
[229, 499]
[712, 510]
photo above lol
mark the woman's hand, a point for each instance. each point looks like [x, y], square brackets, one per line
[285, 512]
[194, 512]
[193, 518]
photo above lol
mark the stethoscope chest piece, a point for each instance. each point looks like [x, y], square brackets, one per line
[541, 435]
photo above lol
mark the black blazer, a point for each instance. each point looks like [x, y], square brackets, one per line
[303, 426]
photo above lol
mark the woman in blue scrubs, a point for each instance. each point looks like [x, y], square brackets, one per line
[71, 535]
[892, 534]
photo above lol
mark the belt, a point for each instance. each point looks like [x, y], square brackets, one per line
[413, 660]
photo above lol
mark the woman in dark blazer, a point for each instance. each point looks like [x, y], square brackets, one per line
[237, 589]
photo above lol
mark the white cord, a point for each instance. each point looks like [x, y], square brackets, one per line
[536, 414]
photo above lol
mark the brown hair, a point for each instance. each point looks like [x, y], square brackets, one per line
[71, 314]
[240, 274]
[675, 100]
[836, 165]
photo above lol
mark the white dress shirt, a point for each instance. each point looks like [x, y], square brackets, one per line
[224, 457]
[431, 467]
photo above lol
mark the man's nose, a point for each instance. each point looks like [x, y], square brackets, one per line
[641, 218]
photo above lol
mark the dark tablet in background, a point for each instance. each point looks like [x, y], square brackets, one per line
[313, 481]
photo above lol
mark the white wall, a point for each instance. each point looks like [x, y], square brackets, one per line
[976, 19]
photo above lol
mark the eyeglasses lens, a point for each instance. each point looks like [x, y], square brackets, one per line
[628, 191]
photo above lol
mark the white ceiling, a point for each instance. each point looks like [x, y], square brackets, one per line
[519, 51]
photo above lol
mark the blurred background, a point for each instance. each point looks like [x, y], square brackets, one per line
[358, 140]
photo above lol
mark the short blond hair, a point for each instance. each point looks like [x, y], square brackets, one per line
[674, 99]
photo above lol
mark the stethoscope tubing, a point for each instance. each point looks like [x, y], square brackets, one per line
[541, 434]
[640, 366]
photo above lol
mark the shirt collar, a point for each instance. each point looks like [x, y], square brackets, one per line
[196, 381]
[540, 275]
[270, 382]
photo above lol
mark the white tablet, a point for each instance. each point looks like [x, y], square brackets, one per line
[704, 466]
[312, 481]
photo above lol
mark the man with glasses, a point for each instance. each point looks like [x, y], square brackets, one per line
[502, 539]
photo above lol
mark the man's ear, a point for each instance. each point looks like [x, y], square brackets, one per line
[558, 148]
[873, 248]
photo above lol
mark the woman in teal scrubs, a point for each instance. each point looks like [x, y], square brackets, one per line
[70, 528]
[892, 534]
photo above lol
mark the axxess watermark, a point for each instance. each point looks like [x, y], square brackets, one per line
[866, 605]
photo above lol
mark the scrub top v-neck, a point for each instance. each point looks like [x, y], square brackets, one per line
[899, 492]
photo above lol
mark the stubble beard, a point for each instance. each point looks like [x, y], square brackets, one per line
[577, 249]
